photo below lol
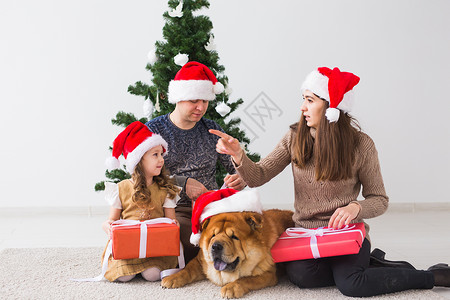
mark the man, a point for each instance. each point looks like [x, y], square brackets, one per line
[192, 155]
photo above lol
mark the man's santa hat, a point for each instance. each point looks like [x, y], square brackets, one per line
[133, 142]
[222, 201]
[194, 81]
[334, 86]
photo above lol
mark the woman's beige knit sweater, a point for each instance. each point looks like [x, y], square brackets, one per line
[316, 201]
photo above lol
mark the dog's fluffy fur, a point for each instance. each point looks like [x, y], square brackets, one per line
[235, 252]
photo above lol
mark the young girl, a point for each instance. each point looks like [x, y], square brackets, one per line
[147, 195]
[331, 160]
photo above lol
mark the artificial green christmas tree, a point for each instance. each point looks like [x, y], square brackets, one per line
[187, 37]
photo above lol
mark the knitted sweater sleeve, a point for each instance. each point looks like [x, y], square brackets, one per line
[225, 160]
[375, 200]
[257, 174]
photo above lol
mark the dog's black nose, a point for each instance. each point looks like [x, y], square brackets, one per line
[217, 247]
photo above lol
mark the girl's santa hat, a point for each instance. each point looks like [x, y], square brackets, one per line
[222, 201]
[194, 81]
[334, 86]
[133, 142]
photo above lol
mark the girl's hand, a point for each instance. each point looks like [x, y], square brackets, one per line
[228, 145]
[234, 182]
[107, 227]
[178, 223]
[344, 215]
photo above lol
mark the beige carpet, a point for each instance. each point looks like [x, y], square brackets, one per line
[44, 273]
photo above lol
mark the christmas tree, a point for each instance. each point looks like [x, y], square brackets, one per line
[187, 37]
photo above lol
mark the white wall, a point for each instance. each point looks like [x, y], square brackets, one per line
[65, 67]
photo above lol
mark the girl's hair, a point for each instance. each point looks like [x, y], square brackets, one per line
[333, 149]
[142, 195]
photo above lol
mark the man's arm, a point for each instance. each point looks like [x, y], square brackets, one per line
[193, 188]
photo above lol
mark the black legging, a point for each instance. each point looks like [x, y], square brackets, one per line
[353, 277]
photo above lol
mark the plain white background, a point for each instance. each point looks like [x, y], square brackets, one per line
[65, 67]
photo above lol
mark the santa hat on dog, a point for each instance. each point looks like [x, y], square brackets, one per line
[192, 82]
[133, 142]
[222, 201]
[334, 86]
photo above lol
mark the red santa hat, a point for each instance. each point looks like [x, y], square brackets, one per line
[194, 81]
[222, 201]
[133, 142]
[334, 86]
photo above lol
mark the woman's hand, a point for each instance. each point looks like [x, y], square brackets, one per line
[228, 145]
[234, 182]
[344, 215]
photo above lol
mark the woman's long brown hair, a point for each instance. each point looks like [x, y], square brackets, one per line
[142, 195]
[333, 149]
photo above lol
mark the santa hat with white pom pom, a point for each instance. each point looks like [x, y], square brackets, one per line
[133, 142]
[194, 81]
[222, 201]
[334, 86]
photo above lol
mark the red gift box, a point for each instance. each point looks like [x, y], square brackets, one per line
[140, 239]
[299, 243]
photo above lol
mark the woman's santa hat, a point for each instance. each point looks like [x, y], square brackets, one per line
[334, 86]
[222, 201]
[133, 143]
[194, 81]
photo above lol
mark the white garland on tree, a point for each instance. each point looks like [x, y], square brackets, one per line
[177, 12]
[181, 59]
[157, 107]
[228, 90]
[148, 108]
[210, 46]
[151, 56]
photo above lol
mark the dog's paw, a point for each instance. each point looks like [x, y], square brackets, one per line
[233, 290]
[173, 281]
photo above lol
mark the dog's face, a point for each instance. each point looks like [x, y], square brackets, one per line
[231, 243]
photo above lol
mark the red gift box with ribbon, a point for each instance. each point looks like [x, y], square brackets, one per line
[298, 243]
[140, 239]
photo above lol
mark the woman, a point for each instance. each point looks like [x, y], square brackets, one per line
[331, 159]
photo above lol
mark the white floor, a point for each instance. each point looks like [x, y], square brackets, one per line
[419, 235]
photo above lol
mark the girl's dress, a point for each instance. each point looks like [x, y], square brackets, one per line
[120, 196]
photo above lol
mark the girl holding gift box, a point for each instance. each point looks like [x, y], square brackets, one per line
[149, 194]
[331, 160]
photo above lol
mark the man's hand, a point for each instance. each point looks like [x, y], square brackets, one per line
[194, 189]
[234, 182]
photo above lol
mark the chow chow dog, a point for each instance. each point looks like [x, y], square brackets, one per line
[235, 252]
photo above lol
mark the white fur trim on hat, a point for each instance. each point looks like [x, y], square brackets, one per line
[239, 202]
[134, 157]
[184, 90]
[332, 114]
[218, 88]
[317, 83]
[195, 238]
